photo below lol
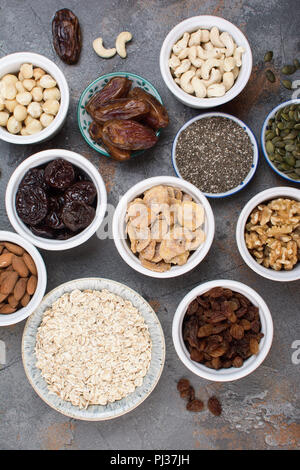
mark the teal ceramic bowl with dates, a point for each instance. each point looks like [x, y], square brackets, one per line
[84, 119]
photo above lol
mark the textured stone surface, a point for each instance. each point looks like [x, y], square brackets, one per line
[260, 411]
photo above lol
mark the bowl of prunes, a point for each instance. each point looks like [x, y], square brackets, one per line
[56, 199]
[120, 115]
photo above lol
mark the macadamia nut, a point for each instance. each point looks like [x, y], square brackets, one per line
[46, 119]
[3, 118]
[24, 98]
[37, 93]
[33, 127]
[38, 73]
[34, 109]
[46, 81]
[13, 126]
[51, 107]
[29, 83]
[26, 70]
[51, 94]
[20, 112]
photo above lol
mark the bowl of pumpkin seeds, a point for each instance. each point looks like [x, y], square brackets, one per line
[280, 140]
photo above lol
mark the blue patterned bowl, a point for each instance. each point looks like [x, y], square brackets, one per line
[94, 412]
[84, 119]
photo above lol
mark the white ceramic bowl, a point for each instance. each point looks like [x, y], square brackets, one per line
[95, 412]
[264, 196]
[263, 146]
[205, 22]
[36, 299]
[41, 158]
[233, 373]
[11, 64]
[119, 226]
[253, 142]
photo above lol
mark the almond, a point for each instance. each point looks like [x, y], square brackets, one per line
[12, 301]
[3, 297]
[15, 249]
[9, 282]
[25, 300]
[20, 288]
[31, 285]
[7, 309]
[30, 263]
[19, 265]
[5, 259]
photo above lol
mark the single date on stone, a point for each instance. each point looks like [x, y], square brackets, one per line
[59, 174]
[77, 215]
[66, 36]
[31, 204]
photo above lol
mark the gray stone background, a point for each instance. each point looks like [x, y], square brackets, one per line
[260, 411]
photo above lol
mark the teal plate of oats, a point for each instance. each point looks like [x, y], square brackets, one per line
[84, 119]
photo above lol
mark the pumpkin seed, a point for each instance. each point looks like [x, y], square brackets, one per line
[270, 76]
[268, 56]
[288, 69]
[287, 84]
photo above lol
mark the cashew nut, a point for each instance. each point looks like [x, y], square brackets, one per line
[228, 42]
[181, 44]
[121, 40]
[215, 37]
[183, 67]
[216, 90]
[184, 53]
[101, 51]
[195, 38]
[199, 87]
[174, 62]
[228, 64]
[238, 55]
[185, 81]
[215, 77]
[207, 66]
[193, 57]
[205, 35]
[228, 80]
[235, 72]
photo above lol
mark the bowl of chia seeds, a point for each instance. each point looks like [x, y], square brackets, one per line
[280, 140]
[216, 152]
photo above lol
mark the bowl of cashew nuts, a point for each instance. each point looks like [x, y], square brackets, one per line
[205, 61]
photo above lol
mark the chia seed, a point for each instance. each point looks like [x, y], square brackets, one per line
[215, 154]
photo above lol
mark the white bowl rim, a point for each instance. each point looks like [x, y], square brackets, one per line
[21, 314]
[139, 188]
[39, 60]
[111, 75]
[262, 138]
[33, 162]
[252, 138]
[191, 24]
[266, 195]
[231, 374]
[162, 337]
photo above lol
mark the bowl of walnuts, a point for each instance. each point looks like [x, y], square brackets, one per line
[268, 234]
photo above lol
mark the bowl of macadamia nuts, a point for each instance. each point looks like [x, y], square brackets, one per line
[34, 98]
[205, 61]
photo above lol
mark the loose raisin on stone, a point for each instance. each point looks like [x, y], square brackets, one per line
[195, 405]
[183, 384]
[214, 406]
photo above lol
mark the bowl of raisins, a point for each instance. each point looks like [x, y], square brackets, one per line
[222, 330]
[56, 199]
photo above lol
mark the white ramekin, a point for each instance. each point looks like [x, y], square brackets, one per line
[206, 22]
[11, 64]
[252, 138]
[36, 299]
[41, 158]
[262, 197]
[119, 226]
[233, 373]
[262, 137]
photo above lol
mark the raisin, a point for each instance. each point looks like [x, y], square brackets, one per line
[59, 174]
[183, 384]
[83, 191]
[195, 405]
[237, 361]
[66, 36]
[214, 406]
[31, 204]
[77, 215]
[188, 394]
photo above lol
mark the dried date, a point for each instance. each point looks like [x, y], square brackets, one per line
[95, 131]
[129, 134]
[157, 116]
[117, 87]
[66, 36]
[123, 108]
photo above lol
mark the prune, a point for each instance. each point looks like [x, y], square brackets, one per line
[66, 36]
[31, 204]
[123, 108]
[53, 220]
[42, 231]
[96, 133]
[34, 177]
[83, 191]
[157, 116]
[59, 174]
[129, 135]
[117, 87]
[77, 215]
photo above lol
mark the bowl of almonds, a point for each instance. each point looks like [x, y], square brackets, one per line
[23, 278]
[222, 330]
